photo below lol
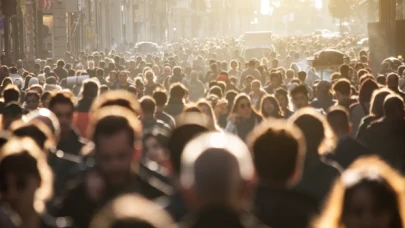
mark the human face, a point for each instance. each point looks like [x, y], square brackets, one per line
[300, 100]
[256, 87]
[282, 100]
[122, 78]
[64, 113]
[31, 102]
[167, 71]
[149, 77]
[20, 192]
[114, 156]
[113, 76]
[268, 107]
[275, 82]
[363, 212]
[244, 108]
[154, 151]
[248, 83]
[234, 66]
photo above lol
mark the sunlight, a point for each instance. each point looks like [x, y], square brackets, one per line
[265, 7]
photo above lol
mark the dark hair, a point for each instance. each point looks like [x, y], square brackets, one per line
[63, 97]
[178, 140]
[26, 81]
[6, 81]
[279, 162]
[90, 89]
[160, 97]
[338, 118]
[277, 113]
[51, 80]
[299, 89]
[343, 86]
[13, 70]
[393, 106]
[216, 90]
[381, 80]
[110, 125]
[148, 105]
[302, 76]
[34, 131]
[177, 90]
[61, 63]
[13, 109]
[344, 71]
[11, 94]
[32, 93]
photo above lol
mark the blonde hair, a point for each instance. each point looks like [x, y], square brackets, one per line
[366, 167]
[132, 207]
[18, 146]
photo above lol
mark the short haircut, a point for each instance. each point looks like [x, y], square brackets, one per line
[112, 120]
[392, 104]
[33, 94]
[302, 76]
[61, 63]
[299, 89]
[13, 109]
[148, 105]
[90, 89]
[275, 75]
[13, 70]
[63, 97]
[338, 118]
[216, 90]
[381, 80]
[11, 94]
[160, 97]
[177, 90]
[284, 158]
[343, 86]
[120, 98]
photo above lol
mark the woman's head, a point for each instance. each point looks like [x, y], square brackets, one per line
[368, 194]
[25, 177]
[149, 76]
[242, 106]
[366, 90]
[282, 98]
[270, 107]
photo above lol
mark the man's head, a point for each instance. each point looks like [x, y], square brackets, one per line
[342, 89]
[290, 74]
[177, 91]
[194, 75]
[302, 76]
[61, 63]
[123, 77]
[32, 99]
[90, 89]
[13, 70]
[299, 96]
[160, 98]
[115, 132]
[394, 107]
[393, 81]
[344, 71]
[62, 105]
[217, 170]
[11, 94]
[148, 106]
[339, 119]
[12, 112]
[281, 164]
[252, 64]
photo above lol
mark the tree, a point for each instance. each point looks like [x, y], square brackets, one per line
[340, 9]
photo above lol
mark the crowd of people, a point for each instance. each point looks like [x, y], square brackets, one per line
[197, 136]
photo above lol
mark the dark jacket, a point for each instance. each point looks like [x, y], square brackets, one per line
[148, 91]
[347, 103]
[386, 138]
[149, 124]
[62, 73]
[318, 179]
[324, 104]
[347, 151]
[220, 218]
[280, 208]
[174, 107]
[78, 206]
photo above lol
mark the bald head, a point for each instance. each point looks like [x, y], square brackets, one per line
[215, 166]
